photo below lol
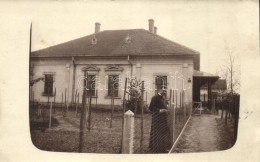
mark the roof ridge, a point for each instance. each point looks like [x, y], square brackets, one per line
[124, 29]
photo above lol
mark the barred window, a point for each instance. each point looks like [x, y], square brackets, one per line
[48, 84]
[160, 83]
[92, 85]
[113, 84]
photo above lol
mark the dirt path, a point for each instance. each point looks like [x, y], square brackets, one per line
[204, 133]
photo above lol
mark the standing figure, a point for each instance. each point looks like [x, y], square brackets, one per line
[160, 133]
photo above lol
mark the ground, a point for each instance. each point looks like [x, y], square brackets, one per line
[203, 133]
[63, 136]
[206, 133]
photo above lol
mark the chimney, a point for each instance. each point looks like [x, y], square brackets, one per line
[151, 25]
[155, 30]
[97, 27]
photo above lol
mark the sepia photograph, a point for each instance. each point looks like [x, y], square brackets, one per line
[139, 78]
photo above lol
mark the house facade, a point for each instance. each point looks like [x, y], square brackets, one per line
[109, 57]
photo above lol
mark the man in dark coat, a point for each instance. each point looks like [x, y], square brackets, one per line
[160, 133]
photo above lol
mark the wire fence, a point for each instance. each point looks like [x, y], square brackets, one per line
[104, 128]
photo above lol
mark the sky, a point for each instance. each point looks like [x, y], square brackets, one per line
[213, 28]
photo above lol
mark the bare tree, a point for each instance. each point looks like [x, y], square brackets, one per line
[230, 71]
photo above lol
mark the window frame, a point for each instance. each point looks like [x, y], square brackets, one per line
[93, 80]
[163, 86]
[115, 81]
[49, 83]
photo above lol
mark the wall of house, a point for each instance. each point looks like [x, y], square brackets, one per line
[177, 70]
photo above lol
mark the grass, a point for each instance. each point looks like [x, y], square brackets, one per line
[64, 134]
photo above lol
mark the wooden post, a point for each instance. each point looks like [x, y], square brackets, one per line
[180, 100]
[82, 118]
[176, 104]
[184, 107]
[181, 106]
[78, 99]
[33, 98]
[176, 100]
[222, 110]
[61, 101]
[226, 116]
[50, 116]
[112, 106]
[170, 103]
[48, 97]
[124, 102]
[75, 98]
[123, 112]
[142, 117]
[77, 103]
[96, 98]
[128, 133]
[54, 100]
[90, 99]
[213, 106]
[65, 100]
[172, 117]
[87, 100]
[145, 97]
[184, 112]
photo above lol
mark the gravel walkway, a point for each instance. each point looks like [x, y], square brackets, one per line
[206, 133]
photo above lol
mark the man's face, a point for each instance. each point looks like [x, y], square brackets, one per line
[163, 92]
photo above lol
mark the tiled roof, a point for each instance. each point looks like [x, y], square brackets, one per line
[200, 74]
[112, 43]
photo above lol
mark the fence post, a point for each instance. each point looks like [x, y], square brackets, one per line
[142, 117]
[128, 133]
[123, 112]
[112, 106]
[54, 101]
[82, 118]
[32, 99]
[61, 102]
[65, 100]
[75, 98]
[90, 102]
[222, 110]
[50, 116]
[213, 106]
[76, 103]
[226, 116]
[96, 98]
[48, 97]
[172, 117]
[184, 107]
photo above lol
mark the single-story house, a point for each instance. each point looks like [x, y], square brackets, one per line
[111, 56]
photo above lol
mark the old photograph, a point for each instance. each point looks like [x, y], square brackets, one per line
[139, 80]
[135, 88]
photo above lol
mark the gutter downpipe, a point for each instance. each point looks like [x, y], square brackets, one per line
[129, 61]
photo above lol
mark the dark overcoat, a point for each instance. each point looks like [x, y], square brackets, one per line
[160, 134]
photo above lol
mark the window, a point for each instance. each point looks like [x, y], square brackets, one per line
[48, 84]
[113, 84]
[160, 83]
[92, 85]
